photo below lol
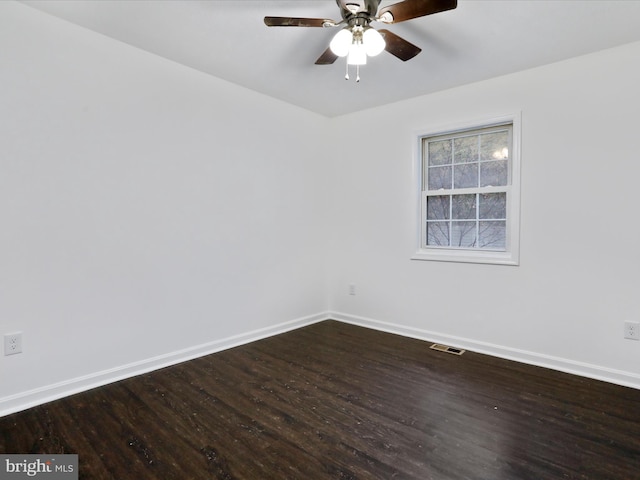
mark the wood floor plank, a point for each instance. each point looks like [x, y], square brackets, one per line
[336, 401]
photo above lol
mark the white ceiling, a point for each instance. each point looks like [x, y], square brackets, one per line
[478, 40]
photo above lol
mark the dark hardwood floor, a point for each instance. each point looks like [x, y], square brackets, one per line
[336, 401]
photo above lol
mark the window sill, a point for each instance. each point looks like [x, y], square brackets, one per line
[467, 256]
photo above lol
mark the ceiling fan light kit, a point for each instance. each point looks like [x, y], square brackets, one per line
[358, 40]
[346, 41]
[357, 43]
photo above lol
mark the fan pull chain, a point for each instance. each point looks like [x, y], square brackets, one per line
[346, 75]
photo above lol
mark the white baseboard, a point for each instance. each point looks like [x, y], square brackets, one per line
[38, 396]
[618, 377]
[31, 398]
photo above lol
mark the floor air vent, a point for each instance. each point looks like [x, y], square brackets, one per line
[447, 349]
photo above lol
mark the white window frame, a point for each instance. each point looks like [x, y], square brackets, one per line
[511, 254]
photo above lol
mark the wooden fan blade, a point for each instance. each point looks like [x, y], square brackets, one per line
[415, 8]
[398, 46]
[327, 58]
[295, 22]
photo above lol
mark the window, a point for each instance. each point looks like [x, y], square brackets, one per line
[469, 194]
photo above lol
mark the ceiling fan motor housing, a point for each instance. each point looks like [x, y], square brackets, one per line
[362, 9]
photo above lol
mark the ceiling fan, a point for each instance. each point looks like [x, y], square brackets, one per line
[357, 39]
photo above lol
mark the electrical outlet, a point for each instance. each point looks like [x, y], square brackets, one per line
[632, 330]
[352, 289]
[12, 343]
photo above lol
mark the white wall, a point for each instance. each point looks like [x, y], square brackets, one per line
[148, 212]
[564, 306]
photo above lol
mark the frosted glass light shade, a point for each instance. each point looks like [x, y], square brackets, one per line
[373, 42]
[357, 54]
[341, 42]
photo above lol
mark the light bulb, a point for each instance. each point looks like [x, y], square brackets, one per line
[373, 42]
[341, 42]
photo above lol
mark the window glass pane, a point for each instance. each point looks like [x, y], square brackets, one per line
[493, 235]
[438, 207]
[466, 176]
[495, 173]
[493, 205]
[465, 149]
[463, 234]
[438, 234]
[439, 177]
[463, 206]
[440, 152]
[494, 146]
